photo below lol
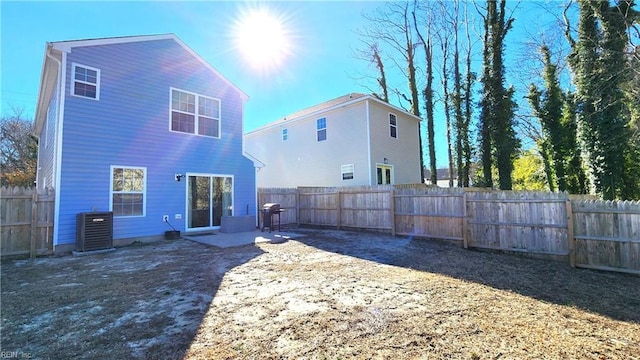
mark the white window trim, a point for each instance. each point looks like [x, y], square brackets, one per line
[324, 128]
[196, 114]
[73, 81]
[347, 169]
[393, 126]
[144, 190]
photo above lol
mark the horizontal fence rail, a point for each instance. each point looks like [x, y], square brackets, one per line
[589, 233]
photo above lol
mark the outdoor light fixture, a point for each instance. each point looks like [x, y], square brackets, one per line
[178, 177]
[386, 161]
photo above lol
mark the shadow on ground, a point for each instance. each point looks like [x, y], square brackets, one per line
[137, 302]
[616, 295]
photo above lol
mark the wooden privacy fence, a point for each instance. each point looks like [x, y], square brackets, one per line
[607, 235]
[26, 221]
[591, 234]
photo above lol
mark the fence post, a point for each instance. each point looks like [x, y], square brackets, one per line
[297, 207]
[339, 209]
[570, 235]
[465, 240]
[34, 223]
[392, 211]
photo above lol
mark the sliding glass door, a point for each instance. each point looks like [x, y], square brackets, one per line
[209, 198]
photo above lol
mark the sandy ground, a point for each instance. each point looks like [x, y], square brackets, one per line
[328, 295]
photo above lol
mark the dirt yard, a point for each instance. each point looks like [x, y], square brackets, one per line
[333, 295]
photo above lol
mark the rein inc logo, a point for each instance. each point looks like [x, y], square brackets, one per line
[15, 355]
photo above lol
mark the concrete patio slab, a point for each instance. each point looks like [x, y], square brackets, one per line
[226, 240]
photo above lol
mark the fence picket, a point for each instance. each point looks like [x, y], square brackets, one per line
[589, 233]
[26, 221]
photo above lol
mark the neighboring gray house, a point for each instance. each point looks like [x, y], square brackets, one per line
[352, 140]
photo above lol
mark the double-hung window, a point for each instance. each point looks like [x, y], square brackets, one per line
[195, 114]
[393, 126]
[86, 81]
[128, 190]
[285, 134]
[321, 127]
[347, 171]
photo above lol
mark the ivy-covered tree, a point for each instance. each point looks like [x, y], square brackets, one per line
[602, 72]
[498, 139]
[558, 147]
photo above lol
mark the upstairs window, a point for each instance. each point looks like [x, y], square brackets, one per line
[195, 114]
[285, 134]
[393, 126]
[321, 126]
[86, 81]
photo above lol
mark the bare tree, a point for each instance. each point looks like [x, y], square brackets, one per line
[18, 150]
[392, 25]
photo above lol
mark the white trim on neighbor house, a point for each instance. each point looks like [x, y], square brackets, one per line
[392, 173]
[393, 126]
[347, 171]
[143, 192]
[368, 121]
[321, 129]
[327, 109]
[72, 90]
[196, 114]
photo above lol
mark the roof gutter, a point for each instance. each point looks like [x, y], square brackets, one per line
[45, 90]
[312, 114]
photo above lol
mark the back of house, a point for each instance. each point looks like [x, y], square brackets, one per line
[144, 128]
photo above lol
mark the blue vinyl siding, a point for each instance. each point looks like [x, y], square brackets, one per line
[129, 126]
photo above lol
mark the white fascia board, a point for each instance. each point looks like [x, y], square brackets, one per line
[256, 162]
[279, 123]
[48, 79]
[66, 46]
[395, 108]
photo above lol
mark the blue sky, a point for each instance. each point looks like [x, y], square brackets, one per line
[319, 66]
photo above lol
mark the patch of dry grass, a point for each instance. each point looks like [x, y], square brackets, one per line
[328, 295]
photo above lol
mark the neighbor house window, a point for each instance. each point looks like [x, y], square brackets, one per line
[347, 172]
[285, 134]
[195, 114]
[86, 81]
[321, 126]
[393, 125]
[128, 190]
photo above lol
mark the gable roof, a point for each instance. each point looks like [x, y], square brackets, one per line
[69, 44]
[343, 100]
[54, 49]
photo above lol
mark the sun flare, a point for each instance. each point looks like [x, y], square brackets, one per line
[262, 39]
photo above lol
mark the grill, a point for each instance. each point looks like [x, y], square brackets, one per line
[268, 212]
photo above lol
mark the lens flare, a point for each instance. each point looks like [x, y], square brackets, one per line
[263, 39]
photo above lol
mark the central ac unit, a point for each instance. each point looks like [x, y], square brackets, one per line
[94, 231]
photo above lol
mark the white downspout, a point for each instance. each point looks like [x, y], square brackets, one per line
[368, 142]
[57, 168]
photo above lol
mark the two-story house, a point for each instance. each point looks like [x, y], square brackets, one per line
[352, 140]
[144, 128]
